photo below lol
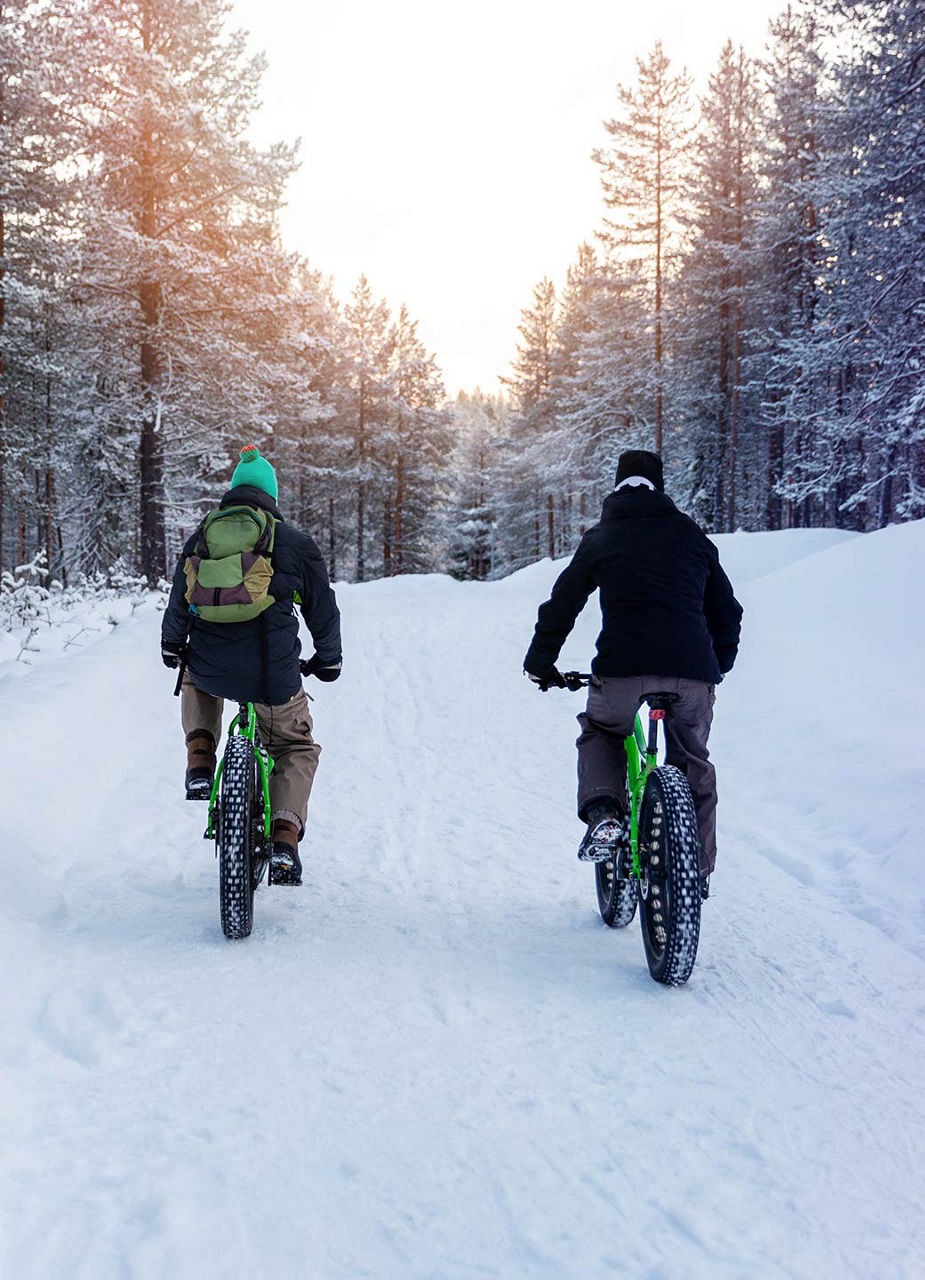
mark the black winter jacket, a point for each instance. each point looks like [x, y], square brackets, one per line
[258, 661]
[668, 608]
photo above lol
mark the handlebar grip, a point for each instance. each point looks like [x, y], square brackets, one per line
[575, 680]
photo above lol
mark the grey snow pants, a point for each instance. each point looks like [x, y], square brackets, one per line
[612, 705]
[285, 731]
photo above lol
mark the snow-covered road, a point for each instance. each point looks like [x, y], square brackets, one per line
[433, 1060]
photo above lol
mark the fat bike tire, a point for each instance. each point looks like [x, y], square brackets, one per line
[616, 899]
[669, 892]
[236, 838]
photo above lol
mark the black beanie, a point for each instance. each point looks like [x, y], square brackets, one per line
[640, 462]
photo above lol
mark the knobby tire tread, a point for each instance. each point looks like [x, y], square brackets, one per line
[616, 899]
[672, 963]
[236, 839]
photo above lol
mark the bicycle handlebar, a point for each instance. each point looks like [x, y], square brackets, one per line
[575, 680]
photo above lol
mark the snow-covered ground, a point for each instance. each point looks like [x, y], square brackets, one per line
[433, 1060]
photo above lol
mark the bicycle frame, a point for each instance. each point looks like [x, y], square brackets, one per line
[244, 724]
[641, 759]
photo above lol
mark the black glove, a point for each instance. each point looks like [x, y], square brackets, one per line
[326, 671]
[172, 653]
[551, 679]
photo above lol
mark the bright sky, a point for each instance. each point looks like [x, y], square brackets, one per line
[446, 148]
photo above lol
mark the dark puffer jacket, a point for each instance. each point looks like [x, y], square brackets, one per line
[668, 608]
[258, 661]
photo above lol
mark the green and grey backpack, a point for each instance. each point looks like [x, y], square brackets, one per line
[228, 575]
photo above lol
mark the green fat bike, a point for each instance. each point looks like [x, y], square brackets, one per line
[239, 821]
[656, 863]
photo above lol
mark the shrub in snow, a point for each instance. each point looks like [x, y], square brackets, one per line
[38, 615]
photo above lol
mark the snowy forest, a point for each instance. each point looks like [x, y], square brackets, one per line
[752, 305]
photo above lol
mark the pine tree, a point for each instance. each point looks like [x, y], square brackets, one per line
[419, 439]
[182, 235]
[529, 512]
[793, 253]
[720, 294]
[40, 336]
[869, 466]
[597, 388]
[368, 338]
[641, 176]
[479, 425]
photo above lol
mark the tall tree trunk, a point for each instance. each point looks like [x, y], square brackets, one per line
[332, 541]
[48, 535]
[885, 512]
[400, 512]
[658, 287]
[2, 343]
[151, 493]
[387, 535]
[150, 455]
[361, 488]
[50, 518]
[38, 505]
[738, 283]
[720, 487]
[551, 525]
[303, 482]
[62, 567]
[734, 406]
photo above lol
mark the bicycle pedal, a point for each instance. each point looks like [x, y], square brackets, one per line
[284, 869]
[595, 853]
[602, 844]
[283, 876]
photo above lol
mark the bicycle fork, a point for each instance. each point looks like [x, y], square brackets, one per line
[244, 723]
[642, 758]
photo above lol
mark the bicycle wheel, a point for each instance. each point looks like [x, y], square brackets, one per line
[669, 893]
[236, 839]
[616, 899]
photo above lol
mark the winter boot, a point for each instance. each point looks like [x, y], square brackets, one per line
[605, 827]
[200, 764]
[285, 864]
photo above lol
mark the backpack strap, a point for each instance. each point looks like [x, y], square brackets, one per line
[201, 548]
[264, 544]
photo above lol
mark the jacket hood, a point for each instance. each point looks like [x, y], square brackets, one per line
[636, 503]
[247, 495]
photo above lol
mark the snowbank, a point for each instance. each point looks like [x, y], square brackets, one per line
[821, 724]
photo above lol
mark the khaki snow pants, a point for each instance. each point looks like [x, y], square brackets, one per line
[612, 705]
[285, 731]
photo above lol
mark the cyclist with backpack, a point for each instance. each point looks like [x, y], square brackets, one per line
[231, 622]
[671, 624]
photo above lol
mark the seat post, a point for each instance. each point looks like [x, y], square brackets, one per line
[658, 706]
[655, 714]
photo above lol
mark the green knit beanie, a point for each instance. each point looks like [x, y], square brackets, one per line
[255, 471]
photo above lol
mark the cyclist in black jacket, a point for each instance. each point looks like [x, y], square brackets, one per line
[258, 661]
[670, 623]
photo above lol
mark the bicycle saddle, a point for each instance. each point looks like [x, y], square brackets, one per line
[661, 701]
